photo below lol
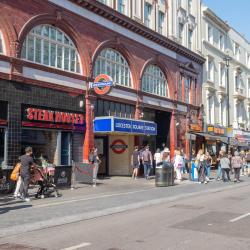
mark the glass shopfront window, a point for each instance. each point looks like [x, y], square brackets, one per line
[53, 146]
[2, 145]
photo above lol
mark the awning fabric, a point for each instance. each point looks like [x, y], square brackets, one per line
[111, 124]
[223, 139]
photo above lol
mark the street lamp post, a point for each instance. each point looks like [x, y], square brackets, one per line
[227, 59]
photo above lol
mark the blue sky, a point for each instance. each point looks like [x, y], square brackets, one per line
[235, 12]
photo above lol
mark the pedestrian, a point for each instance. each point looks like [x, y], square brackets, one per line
[27, 163]
[236, 165]
[200, 161]
[243, 156]
[147, 161]
[219, 171]
[208, 163]
[166, 157]
[248, 162]
[225, 166]
[158, 158]
[94, 159]
[135, 162]
[184, 157]
[178, 164]
[15, 176]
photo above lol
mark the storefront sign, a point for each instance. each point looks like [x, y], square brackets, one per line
[50, 118]
[216, 130]
[3, 113]
[118, 146]
[120, 125]
[195, 127]
[102, 85]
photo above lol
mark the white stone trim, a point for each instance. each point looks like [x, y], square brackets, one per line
[53, 78]
[112, 26]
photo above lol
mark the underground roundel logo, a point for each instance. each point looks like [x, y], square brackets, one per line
[103, 84]
[118, 146]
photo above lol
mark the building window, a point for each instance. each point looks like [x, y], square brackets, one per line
[179, 3]
[189, 6]
[181, 28]
[222, 81]
[248, 59]
[248, 87]
[121, 6]
[50, 46]
[237, 82]
[187, 88]
[112, 63]
[147, 15]
[179, 93]
[210, 71]
[210, 110]
[1, 43]
[223, 118]
[237, 51]
[210, 34]
[161, 18]
[222, 42]
[154, 81]
[190, 38]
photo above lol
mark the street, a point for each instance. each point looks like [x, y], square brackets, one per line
[193, 216]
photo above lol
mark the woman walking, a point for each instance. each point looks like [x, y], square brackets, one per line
[135, 162]
[158, 158]
[166, 157]
[225, 166]
[94, 159]
[236, 165]
[178, 164]
[208, 163]
[200, 161]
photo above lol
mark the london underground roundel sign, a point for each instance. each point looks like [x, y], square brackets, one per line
[118, 146]
[102, 85]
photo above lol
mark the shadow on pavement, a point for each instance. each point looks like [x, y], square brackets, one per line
[7, 209]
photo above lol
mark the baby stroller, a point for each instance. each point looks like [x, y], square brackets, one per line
[44, 177]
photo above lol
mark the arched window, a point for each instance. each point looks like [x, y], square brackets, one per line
[112, 63]
[50, 46]
[1, 44]
[154, 81]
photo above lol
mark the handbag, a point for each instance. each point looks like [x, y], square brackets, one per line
[159, 164]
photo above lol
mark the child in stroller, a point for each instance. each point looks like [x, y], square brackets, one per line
[44, 177]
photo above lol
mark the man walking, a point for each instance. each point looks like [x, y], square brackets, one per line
[26, 163]
[147, 161]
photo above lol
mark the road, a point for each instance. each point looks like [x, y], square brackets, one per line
[218, 219]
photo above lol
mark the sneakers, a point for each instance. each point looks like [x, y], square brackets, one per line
[26, 199]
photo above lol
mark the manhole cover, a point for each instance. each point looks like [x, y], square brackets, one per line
[186, 206]
[9, 246]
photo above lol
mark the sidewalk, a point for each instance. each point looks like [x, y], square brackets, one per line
[114, 195]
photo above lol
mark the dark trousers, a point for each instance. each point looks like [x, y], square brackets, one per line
[25, 186]
[225, 171]
[237, 174]
[201, 173]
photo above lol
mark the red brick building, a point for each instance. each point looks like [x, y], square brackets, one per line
[51, 50]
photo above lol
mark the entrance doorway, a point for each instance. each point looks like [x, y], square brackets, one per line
[101, 142]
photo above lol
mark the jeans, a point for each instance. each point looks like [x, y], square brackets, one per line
[219, 172]
[25, 186]
[201, 174]
[95, 172]
[237, 174]
[208, 171]
[147, 168]
[225, 171]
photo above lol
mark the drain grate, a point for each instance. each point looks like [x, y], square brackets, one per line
[186, 206]
[10, 246]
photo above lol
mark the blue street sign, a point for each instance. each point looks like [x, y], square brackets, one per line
[120, 125]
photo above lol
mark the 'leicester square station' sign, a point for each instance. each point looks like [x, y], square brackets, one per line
[113, 124]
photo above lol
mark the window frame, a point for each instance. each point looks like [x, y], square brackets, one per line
[108, 62]
[159, 84]
[52, 45]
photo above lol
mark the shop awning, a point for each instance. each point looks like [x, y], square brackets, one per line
[111, 124]
[208, 136]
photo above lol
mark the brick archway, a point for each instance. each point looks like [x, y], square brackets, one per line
[120, 47]
[59, 22]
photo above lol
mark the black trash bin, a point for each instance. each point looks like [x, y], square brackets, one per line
[164, 176]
